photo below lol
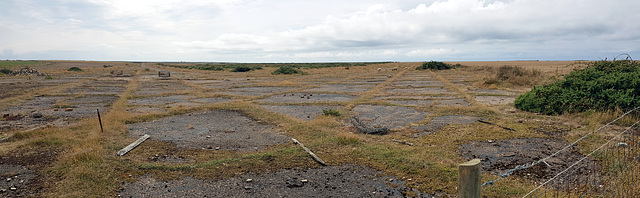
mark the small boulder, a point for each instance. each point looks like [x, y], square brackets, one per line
[36, 115]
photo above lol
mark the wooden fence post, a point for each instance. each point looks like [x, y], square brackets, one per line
[469, 178]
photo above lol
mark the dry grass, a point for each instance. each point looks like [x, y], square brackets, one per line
[89, 168]
[553, 67]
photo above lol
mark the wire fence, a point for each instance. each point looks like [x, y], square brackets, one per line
[610, 170]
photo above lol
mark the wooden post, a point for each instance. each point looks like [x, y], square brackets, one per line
[469, 178]
[100, 120]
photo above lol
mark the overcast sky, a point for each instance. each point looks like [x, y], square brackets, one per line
[318, 30]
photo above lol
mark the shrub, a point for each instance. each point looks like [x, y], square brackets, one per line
[241, 69]
[208, 67]
[434, 65]
[76, 69]
[287, 70]
[601, 86]
[330, 112]
[6, 71]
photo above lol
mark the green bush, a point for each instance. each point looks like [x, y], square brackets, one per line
[330, 112]
[211, 67]
[601, 86]
[286, 70]
[434, 65]
[6, 71]
[256, 67]
[241, 69]
[76, 69]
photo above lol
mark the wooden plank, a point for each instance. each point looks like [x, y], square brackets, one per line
[133, 145]
[315, 157]
[402, 142]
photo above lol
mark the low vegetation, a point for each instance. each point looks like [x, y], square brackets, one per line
[435, 65]
[330, 112]
[241, 69]
[514, 75]
[5, 71]
[601, 86]
[6, 64]
[75, 69]
[287, 70]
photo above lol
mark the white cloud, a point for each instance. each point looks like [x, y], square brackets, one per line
[260, 30]
[430, 52]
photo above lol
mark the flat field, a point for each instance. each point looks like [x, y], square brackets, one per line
[223, 133]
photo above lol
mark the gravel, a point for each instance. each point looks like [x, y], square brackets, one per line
[329, 181]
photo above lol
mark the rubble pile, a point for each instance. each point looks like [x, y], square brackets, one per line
[27, 72]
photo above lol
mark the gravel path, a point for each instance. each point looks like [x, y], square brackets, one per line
[330, 181]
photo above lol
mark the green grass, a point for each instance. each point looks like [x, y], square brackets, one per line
[9, 64]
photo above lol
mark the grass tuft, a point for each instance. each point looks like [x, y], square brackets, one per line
[330, 112]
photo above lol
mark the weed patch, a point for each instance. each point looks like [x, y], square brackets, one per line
[287, 70]
[331, 112]
[75, 69]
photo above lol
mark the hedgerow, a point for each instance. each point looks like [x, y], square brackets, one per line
[601, 86]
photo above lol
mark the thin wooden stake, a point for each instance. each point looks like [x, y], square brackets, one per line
[315, 157]
[100, 120]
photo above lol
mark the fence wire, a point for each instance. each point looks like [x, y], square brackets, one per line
[617, 162]
[543, 160]
[611, 170]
